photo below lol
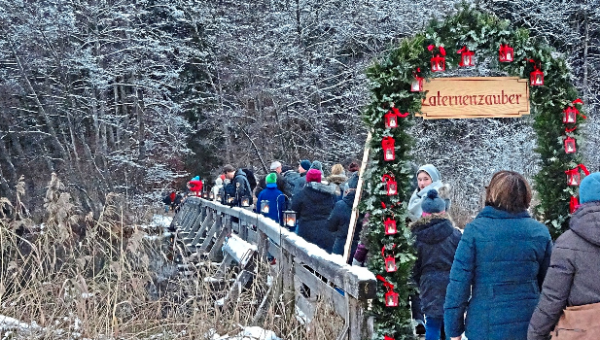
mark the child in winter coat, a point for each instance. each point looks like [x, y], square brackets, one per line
[436, 240]
[272, 196]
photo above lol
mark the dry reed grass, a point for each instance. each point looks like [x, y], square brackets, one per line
[78, 277]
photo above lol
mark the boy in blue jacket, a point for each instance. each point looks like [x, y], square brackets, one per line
[275, 198]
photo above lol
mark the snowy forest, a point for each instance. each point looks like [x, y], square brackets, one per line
[134, 97]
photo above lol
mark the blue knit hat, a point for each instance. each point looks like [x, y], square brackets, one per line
[589, 189]
[305, 164]
[317, 165]
[432, 203]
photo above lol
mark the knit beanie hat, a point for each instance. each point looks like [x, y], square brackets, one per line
[353, 167]
[271, 178]
[313, 175]
[589, 189]
[432, 203]
[317, 165]
[305, 164]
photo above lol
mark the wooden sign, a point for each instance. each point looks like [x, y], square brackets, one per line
[475, 98]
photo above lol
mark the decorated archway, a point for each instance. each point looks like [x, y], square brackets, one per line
[460, 40]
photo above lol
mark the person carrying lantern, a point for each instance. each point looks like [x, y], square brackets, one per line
[216, 189]
[238, 188]
[428, 177]
[570, 300]
[499, 266]
[312, 205]
[195, 185]
[272, 198]
[436, 240]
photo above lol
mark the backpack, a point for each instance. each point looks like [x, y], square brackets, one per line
[251, 178]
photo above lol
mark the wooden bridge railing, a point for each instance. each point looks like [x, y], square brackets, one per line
[305, 273]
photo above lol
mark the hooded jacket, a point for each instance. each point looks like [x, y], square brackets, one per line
[414, 205]
[312, 206]
[337, 182]
[436, 240]
[573, 278]
[217, 188]
[276, 199]
[339, 223]
[498, 268]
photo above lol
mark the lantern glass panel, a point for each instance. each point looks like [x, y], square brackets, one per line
[391, 299]
[390, 226]
[573, 179]
[392, 188]
[393, 121]
[230, 199]
[416, 85]
[390, 264]
[289, 218]
[219, 197]
[570, 116]
[211, 196]
[264, 207]
[245, 201]
[570, 145]
[389, 155]
[509, 55]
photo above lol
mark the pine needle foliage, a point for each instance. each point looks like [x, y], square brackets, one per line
[390, 79]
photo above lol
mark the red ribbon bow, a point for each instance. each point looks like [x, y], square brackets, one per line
[535, 64]
[574, 204]
[440, 48]
[567, 130]
[464, 49]
[580, 167]
[386, 284]
[387, 178]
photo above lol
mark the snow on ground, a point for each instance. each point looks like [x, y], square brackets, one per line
[248, 333]
[8, 323]
[161, 221]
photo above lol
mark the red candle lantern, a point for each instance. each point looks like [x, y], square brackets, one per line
[391, 184]
[573, 204]
[390, 261]
[385, 337]
[467, 58]
[573, 175]
[536, 78]
[571, 112]
[387, 143]
[391, 118]
[570, 145]
[390, 226]
[417, 83]
[506, 53]
[391, 297]
[438, 63]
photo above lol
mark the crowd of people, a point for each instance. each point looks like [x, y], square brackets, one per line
[502, 271]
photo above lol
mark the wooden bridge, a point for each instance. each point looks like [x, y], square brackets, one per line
[304, 273]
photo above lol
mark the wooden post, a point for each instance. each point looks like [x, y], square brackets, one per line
[354, 216]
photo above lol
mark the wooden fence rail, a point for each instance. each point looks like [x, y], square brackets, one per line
[306, 273]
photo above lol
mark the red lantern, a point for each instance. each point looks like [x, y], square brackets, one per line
[573, 175]
[571, 112]
[385, 337]
[392, 185]
[438, 64]
[391, 299]
[390, 261]
[506, 54]
[387, 143]
[536, 78]
[390, 226]
[467, 58]
[391, 118]
[417, 83]
[570, 145]
[573, 204]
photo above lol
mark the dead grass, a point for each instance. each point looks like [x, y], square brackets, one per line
[77, 277]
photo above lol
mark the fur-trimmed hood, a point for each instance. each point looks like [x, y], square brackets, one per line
[432, 229]
[337, 179]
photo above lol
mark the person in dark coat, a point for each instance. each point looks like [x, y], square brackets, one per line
[238, 188]
[282, 185]
[573, 278]
[499, 266]
[274, 197]
[312, 206]
[299, 182]
[339, 220]
[436, 240]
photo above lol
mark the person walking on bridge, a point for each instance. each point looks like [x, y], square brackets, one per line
[238, 188]
[272, 196]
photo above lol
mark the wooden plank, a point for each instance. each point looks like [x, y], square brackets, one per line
[222, 271]
[287, 283]
[273, 250]
[307, 307]
[215, 252]
[320, 290]
[252, 236]
[243, 278]
[209, 236]
[356, 319]
[354, 215]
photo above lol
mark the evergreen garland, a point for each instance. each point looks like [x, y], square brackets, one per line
[390, 80]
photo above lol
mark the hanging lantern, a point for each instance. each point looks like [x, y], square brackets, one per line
[211, 196]
[573, 204]
[570, 145]
[387, 143]
[391, 299]
[391, 118]
[390, 261]
[219, 198]
[230, 199]
[573, 175]
[390, 226]
[264, 206]
[245, 201]
[467, 58]
[438, 64]
[391, 184]
[506, 53]
[417, 83]
[289, 218]
[571, 112]
[385, 337]
[536, 78]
